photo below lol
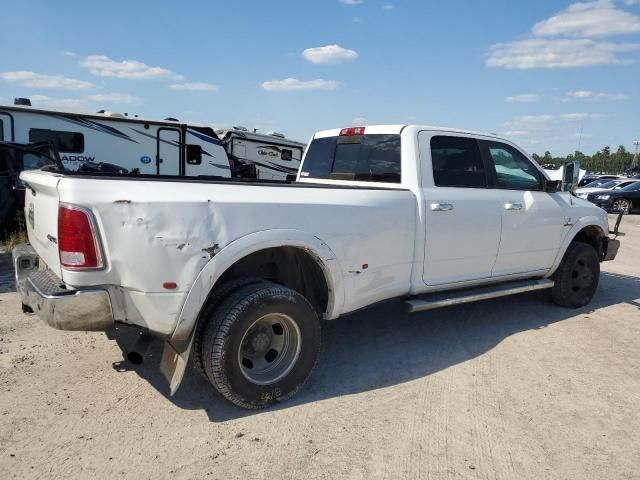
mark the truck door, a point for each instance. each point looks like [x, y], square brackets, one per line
[533, 221]
[462, 215]
[168, 151]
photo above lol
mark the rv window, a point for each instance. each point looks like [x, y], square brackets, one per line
[1, 131]
[194, 154]
[68, 142]
[286, 154]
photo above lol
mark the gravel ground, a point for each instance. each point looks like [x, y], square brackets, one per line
[503, 389]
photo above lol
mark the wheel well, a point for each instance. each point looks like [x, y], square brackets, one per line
[292, 267]
[591, 235]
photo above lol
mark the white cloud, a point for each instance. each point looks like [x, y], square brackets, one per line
[524, 98]
[579, 116]
[631, 2]
[329, 54]
[388, 6]
[39, 80]
[599, 18]
[61, 103]
[68, 53]
[293, 84]
[84, 103]
[352, 2]
[515, 133]
[556, 53]
[589, 95]
[534, 118]
[103, 66]
[117, 98]
[196, 86]
[566, 40]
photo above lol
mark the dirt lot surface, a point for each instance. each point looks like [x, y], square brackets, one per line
[509, 388]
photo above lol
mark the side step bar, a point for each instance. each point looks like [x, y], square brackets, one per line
[456, 297]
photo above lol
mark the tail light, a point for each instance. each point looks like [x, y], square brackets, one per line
[345, 132]
[77, 239]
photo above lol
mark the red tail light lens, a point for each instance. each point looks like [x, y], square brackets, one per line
[345, 132]
[77, 241]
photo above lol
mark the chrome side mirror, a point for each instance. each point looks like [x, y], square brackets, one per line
[570, 176]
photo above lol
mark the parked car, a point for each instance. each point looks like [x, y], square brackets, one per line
[238, 275]
[592, 177]
[626, 199]
[603, 187]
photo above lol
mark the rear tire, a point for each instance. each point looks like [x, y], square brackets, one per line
[577, 277]
[215, 299]
[261, 344]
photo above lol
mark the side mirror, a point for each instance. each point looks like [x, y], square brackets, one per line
[570, 176]
[552, 186]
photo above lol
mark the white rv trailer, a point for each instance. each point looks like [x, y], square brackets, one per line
[152, 147]
[268, 156]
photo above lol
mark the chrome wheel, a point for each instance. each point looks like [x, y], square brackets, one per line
[621, 204]
[269, 348]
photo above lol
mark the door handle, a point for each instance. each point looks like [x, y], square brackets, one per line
[513, 206]
[441, 207]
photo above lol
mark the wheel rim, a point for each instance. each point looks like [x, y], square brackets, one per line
[582, 276]
[621, 205]
[269, 348]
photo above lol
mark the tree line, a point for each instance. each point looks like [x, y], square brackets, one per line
[603, 161]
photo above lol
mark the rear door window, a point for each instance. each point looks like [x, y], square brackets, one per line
[457, 162]
[364, 158]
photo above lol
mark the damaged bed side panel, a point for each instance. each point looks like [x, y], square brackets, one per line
[159, 234]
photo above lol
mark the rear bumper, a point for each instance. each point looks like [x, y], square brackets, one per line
[58, 305]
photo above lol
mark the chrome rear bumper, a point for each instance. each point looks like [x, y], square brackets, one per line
[58, 305]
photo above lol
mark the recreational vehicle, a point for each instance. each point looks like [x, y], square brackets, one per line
[152, 147]
[256, 155]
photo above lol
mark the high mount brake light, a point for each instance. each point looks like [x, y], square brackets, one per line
[345, 132]
[77, 240]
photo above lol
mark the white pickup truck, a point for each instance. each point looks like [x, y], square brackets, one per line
[239, 274]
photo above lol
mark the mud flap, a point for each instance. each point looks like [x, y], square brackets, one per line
[173, 364]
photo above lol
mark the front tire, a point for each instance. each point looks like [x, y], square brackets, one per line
[621, 204]
[261, 344]
[577, 277]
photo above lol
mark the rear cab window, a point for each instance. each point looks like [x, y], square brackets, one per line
[354, 157]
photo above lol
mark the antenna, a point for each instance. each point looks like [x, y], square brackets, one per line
[580, 136]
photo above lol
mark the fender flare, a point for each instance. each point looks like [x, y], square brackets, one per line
[243, 246]
[589, 221]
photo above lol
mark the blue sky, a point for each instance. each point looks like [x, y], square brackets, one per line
[537, 72]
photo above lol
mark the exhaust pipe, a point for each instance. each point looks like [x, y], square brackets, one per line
[139, 349]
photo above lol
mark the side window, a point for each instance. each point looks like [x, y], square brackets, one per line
[286, 154]
[194, 154]
[1, 131]
[457, 162]
[514, 171]
[68, 142]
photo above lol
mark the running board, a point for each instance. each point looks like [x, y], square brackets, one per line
[446, 299]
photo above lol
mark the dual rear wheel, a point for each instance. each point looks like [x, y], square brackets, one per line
[259, 344]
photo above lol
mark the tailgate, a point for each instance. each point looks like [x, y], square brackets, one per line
[41, 215]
